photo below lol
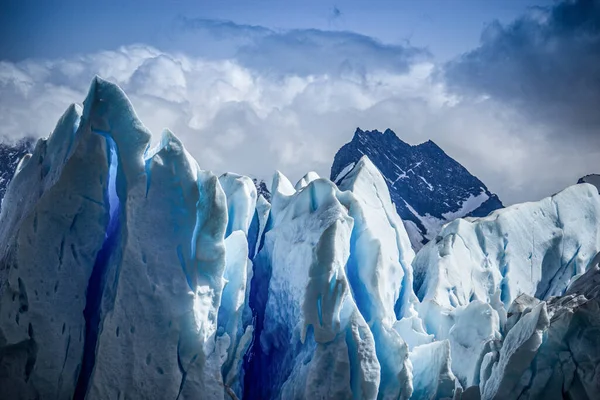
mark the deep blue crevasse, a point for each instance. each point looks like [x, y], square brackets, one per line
[253, 232]
[255, 361]
[257, 364]
[97, 282]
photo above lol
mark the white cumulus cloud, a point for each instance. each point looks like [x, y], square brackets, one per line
[251, 113]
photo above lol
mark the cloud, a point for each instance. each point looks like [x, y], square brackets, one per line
[161, 77]
[545, 63]
[288, 100]
[300, 52]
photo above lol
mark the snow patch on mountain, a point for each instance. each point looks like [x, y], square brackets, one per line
[428, 188]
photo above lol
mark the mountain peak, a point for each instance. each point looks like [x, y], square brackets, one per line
[389, 132]
[429, 142]
[432, 146]
[358, 133]
[428, 187]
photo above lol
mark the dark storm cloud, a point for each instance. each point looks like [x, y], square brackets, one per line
[546, 63]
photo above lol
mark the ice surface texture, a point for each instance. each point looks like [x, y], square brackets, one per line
[112, 263]
[127, 271]
[553, 349]
[532, 248]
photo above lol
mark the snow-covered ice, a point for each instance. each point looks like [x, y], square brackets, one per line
[533, 248]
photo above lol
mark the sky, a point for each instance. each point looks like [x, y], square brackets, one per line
[509, 88]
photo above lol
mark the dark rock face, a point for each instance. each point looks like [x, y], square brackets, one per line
[10, 155]
[592, 179]
[261, 189]
[428, 187]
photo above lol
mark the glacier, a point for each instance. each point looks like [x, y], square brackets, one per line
[127, 271]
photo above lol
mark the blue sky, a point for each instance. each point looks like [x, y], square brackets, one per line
[62, 28]
[509, 88]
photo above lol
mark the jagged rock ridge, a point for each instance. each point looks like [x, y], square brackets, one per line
[593, 179]
[261, 188]
[428, 187]
[10, 155]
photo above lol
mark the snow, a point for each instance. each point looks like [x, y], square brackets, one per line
[429, 186]
[470, 204]
[421, 176]
[415, 236]
[432, 224]
[400, 176]
[343, 173]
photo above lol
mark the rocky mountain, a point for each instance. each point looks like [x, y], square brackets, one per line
[428, 187]
[261, 188]
[593, 179]
[10, 155]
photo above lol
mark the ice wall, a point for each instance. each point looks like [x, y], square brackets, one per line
[533, 248]
[552, 351]
[127, 271]
[116, 263]
[51, 230]
[311, 325]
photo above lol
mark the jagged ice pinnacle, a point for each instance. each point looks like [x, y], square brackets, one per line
[127, 271]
